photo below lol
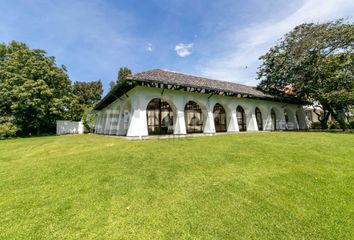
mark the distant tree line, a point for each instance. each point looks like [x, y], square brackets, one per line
[35, 92]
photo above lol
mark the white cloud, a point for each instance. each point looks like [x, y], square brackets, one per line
[149, 47]
[184, 50]
[246, 45]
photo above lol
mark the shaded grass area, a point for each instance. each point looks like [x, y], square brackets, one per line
[279, 185]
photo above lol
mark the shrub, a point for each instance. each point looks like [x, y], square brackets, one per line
[8, 129]
[316, 125]
[334, 125]
[351, 124]
[88, 119]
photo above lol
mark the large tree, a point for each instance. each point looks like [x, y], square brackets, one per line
[317, 61]
[89, 93]
[86, 95]
[34, 91]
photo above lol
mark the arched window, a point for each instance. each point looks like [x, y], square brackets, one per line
[219, 118]
[286, 116]
[274, 119]
[159, 117]
[259, 119]
[241, 118]
[193, 117]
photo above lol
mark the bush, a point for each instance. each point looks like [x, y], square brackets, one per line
[88, 119]
[316, 125]
[334, 125]
[8, 129]
[351, 124]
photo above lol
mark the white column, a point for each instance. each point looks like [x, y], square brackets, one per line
[251, 120]
[233, 125]
[120, 125]
[96, 123]
[281, 123]
[107, 119]
[209, 124]
[293, 125]
[138, 123]
[111, 126]
[302, 119]
[180, 124]
[267, 120]
[99, 122]
[102, 121]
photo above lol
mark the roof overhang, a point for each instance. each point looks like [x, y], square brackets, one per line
[122, 88]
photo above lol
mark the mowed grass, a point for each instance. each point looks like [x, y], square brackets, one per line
[274, 185]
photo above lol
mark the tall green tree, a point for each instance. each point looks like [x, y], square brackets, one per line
[86, 95]
[34, 91]
[123, 73]
[89, 93]
[317, 61]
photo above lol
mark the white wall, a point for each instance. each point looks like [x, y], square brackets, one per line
[69, 127]
[139, 97]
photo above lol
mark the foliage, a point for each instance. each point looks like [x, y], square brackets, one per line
[275, 185]
[89, 93]
[123, 73]
[351, 124]
[88, 119]
[36, 92]
[33, 88]
[86, 95]
[7, 128]
[334, 125]
[317, 61]
[316, 125]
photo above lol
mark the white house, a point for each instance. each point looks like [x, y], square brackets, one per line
[166, 102]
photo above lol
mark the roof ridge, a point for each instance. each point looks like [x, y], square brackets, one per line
[191, 75]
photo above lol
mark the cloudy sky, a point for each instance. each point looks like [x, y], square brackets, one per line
[219, 39]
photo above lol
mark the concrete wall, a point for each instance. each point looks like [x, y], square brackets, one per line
[127, 116]
[69, 127]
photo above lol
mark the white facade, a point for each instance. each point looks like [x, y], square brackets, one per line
[312, 116]
[127, 116]
[69, 127]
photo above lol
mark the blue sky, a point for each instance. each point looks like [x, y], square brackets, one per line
[219, 39]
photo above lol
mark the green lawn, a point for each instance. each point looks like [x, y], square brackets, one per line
[282, 185]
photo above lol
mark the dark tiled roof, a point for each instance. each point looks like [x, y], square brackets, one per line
[181, 79]
[165, 77]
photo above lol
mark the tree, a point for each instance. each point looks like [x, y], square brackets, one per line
[34, 91]
[88, 118]
[89, 93]
[112, 84]
[86, 95]
[123, 73]
[317, 61]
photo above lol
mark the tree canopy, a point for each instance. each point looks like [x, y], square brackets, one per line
[86, 95]
[33, 89]
[35, 92]
[317, 61]
[89, 93]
